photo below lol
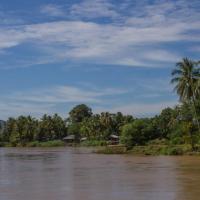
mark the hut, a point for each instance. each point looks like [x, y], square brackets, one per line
[83, 139]
[114, 139]
[69, 139]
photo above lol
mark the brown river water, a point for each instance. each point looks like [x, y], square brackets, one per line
[78, 174]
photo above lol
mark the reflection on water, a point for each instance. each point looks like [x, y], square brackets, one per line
[73, 174]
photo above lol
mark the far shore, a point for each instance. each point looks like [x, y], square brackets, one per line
[153, 150]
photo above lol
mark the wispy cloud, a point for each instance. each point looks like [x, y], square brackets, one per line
[139, 109]
[144, 33]
[9, 18]
[63, 94]
[90, 9]
[45, 100]
[14, 109]
[137, 38]
[52, 10]
[96, 43]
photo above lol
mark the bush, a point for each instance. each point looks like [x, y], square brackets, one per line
[137, 133]
[158, 142]
[93, 143]
[175, 151]
[115, 149]
[53, 143]
[161, 150]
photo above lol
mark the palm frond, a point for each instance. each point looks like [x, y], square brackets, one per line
[176, 72]
[187, 78]
[175, 80]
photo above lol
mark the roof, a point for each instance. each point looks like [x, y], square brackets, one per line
[69, 137]
[114, 136]
[83, 138]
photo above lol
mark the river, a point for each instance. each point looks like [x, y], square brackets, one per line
[77, 173]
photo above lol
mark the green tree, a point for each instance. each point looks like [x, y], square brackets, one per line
[76, 116]
[164, 122]
[186, 77]
[46, 130]
[59, 127]
[106, 122]
[137, 133]
[79, 112]
[119, 120]
[10, 129]
[92, 128]
[74, 129]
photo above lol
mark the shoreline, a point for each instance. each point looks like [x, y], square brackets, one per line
[152, 150]
[145, 150]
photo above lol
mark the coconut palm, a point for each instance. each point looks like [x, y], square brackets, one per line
[186, 76]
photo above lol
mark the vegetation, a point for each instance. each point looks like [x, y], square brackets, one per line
[25, 130]
[119, 149]
[53, 143]
[186, 76]
[94, 143]
[174, 131]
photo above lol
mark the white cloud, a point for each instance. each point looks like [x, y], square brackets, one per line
[134, 33]
[63, 94]
[195, 49]
[52, 10]
[139, 109]
[144, 98]
[109, 44]
[45, 100]
[162, 56]
[139, 39]
[14, 109]
[9, 18]
[93, 9]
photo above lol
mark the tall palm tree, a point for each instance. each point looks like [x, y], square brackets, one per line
[186, 76]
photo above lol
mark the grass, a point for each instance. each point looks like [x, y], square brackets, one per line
[53, 143]
[156, 147]
[152, 148]
[112, 149]
[93, 143]
[161, 150]
[5, 144]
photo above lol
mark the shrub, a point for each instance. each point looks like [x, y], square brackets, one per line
[137, 133]
[53, 143]
[90, 143]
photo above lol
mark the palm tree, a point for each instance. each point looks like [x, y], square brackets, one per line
[186, 76]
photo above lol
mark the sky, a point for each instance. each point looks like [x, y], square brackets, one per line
[111, 55]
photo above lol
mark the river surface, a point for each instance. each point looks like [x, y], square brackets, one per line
[78, 174]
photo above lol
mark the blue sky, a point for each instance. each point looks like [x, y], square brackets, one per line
[110, 55]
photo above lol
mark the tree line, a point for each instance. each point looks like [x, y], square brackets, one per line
[178, 125]
[81, 123]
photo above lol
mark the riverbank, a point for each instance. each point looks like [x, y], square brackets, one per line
[153, 150]
[56, 143]
[103, 148]
[53, 143]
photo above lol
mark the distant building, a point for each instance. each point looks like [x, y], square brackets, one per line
[83, 139]
[114, 139]
[69, 139]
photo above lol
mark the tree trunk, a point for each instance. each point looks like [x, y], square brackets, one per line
[195, 113]
[197, 121]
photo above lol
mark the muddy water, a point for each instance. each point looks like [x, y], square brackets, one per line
[74, 174]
